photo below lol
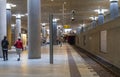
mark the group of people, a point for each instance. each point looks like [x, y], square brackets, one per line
[18, 45]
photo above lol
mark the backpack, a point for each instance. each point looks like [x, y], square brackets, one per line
[4, 44]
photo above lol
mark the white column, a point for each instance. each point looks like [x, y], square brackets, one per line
[3, 26]
[18, 26]
[2, 22]
[94, 23]
[34, 43]
[100, 19]
[114, 8]
[59, 32]
[78, 30]
[44, 31]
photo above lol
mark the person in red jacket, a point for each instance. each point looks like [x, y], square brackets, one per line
[19, 47]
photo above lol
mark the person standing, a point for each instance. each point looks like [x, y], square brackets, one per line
[4, 45]
[19, 47]
[61, 40]
[59, 34]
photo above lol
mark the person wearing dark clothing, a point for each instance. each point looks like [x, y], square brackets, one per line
[4, 45]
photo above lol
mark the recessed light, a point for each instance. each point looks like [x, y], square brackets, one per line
[65, 2]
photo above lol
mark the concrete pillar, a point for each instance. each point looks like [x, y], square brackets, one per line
[78, 30]
[9, 30]
[3, 26]
[34, 43]
[94, 23]
[44, 31]
[18, 26]
[82, 29]
[114, 8]
[54, 32]
[100, 19]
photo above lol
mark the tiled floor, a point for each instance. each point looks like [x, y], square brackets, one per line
[67, 63]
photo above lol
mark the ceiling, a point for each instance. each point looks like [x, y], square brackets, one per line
[83, 9]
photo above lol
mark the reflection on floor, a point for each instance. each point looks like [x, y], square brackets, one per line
[67, 63]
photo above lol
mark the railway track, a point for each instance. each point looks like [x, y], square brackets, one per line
[101, 69]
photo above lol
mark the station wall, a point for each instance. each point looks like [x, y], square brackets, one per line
[103, 41]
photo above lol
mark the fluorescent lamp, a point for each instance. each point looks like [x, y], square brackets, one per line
[114, 0]
[101, 11]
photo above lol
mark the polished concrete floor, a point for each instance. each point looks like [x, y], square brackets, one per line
[67, 63]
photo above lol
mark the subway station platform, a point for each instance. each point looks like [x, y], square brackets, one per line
[67, 63]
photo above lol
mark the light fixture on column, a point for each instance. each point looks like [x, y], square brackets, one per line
[18, 24]
[13, 25]
[26, 14]
[72, 15]
[114, 0]
[82, 25]
[9, 5]
[18, 15]
[100, 15]
[55, 19]
[43, 24]
[101, 11]
[59, 26]
[93, 18]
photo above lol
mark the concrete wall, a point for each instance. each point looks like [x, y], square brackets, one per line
[91, 41]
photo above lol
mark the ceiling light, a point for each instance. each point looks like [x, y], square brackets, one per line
[72, 18]
[12, 25]
[82, 25]
[114, 0]
[93, 18]
[13, 14]
[59, 26]
[55, 20]
[64, 2]
[18, 15]
[43, 24]
[101, 11]
[9, 5]
[26, 14]
[22, 15]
